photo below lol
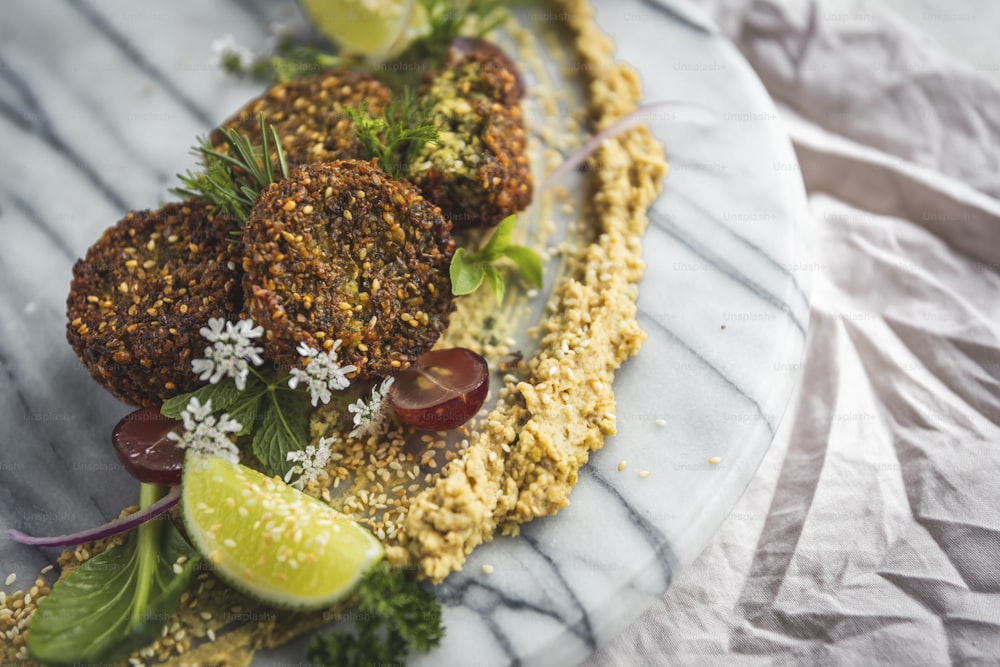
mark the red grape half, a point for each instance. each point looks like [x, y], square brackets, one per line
[141, 443]
[442, 390]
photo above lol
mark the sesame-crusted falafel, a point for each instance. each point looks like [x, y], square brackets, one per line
[308, 115]
[477, 170]
[340, 251]
[143, 291]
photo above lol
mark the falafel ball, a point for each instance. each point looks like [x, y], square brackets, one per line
[308, 115]
[340, 251]
[477, 170]
[143, 291]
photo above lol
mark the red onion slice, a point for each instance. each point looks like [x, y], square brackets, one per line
[668, 110]
[100, 532]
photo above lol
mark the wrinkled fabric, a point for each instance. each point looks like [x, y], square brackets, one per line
[871, 533]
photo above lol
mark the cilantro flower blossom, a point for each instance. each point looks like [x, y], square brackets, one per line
[231, 351]
[310, 463]
[370, 415]
[206, 434]
[322, 374]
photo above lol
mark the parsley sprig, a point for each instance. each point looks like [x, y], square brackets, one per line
[404, 126]
[470, 269]
[395, 616]
[233, 180]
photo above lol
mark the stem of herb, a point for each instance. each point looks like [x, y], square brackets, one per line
[146, 549]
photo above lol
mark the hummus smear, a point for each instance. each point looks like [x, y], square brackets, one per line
[523, 461]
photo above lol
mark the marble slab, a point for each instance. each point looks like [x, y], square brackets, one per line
[98, 101]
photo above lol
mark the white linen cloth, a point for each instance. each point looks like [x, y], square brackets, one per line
[871, 533]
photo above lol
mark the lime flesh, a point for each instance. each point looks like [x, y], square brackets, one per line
[367, 27]
[270, 541]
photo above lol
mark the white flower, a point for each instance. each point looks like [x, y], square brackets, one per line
[227, 55]
[370, 415]
[206, 434]
[322, 373]
[230, 352]
[310, 463]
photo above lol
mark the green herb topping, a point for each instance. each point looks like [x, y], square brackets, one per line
[404, 127]
[470, 269]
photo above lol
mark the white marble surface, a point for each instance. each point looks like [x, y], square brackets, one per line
[98, 104]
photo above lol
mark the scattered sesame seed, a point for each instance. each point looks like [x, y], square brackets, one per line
[715, 460]
[621, 465]
[661, 422]
[644, 474]
[487, 568]
[11, 578]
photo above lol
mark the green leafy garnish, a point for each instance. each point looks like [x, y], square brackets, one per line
[118, 601]
[284, 427]
[233, 180]
[470, 269]
[404, 126]
[447, 19]
[395, 617]
[267, 409]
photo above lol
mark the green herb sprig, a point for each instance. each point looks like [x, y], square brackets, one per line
[396, 617]
[404, 126]
[118, 601]
[233, 180]
[447, 20]
[274, 415]
[469, 270]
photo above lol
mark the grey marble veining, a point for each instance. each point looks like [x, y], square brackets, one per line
[98, 104]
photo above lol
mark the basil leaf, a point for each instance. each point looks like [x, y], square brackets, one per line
[527, 261]
[222, 394]
[284, 427]
[495, 280]
[466, 276]
[106, 609]
[498, 242]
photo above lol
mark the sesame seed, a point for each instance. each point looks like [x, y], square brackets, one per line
[644, 474]
[661, 422]
[487, 568]
[621, 465]
[715, 460]
[11, 578]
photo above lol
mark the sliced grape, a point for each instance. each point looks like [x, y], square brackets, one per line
[442, 390]
[142, 445]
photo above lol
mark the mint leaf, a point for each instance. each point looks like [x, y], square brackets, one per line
[469, 270]
[498, 242]
[116, 602]
[247, 406]
[223, 395]
[495, 280]
[284, 427]
[527, 261]
[466, 276]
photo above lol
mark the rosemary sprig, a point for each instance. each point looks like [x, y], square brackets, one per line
[404, 125]
[233, 180]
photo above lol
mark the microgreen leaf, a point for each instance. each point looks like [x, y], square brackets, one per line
[116, 602]
[284, 427]
[495, 280]
[469, 270]
[527, 261]
[498, 242]
[466, 276]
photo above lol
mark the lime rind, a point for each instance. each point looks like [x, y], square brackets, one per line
[271, 541]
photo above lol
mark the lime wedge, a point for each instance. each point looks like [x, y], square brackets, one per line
[371, 28]
[270, 541]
